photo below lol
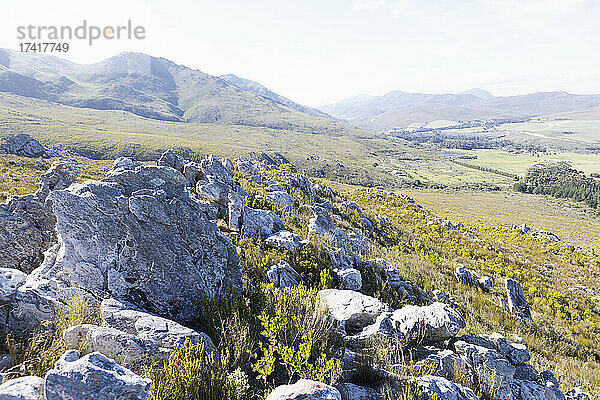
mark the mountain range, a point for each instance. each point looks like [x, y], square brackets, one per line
[399, 109]
[160, 89]
[157, 88]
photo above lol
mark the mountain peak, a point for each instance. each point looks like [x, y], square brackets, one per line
[477, 92]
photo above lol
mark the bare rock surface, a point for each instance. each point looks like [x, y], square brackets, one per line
[305, 389]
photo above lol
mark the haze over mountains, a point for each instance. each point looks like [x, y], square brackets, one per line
[156, 88]
[400, 109]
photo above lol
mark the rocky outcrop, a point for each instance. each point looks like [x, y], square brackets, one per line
[27, 222]
[285, 240]
[351, 391]
[24, 145]
[25, 388]
[517, 303]
[437, 388]
[353, 311]
[283, 276]
[137, 235]
[432, 323]
[260, 223]
[305, 389]
[93, 377]
[162, 332]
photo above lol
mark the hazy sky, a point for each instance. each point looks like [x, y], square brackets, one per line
[321, 51]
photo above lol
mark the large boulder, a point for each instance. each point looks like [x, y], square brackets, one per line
[527, 390]
[353, 311]
[27, 223]
[432, 323]
[305, 389]
[351, 391]
[128, 349]
[285, 240]
[24, 145]
[260, 223]
[137, 235]
[25, 388]
[283, 276]
[93, 376]
[438, 388]
[517, 303]
[494, 371]
[163, 332]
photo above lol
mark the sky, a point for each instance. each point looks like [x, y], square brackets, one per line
[319, 52]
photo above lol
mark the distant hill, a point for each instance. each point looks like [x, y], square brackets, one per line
[400, 109]
[157, 88]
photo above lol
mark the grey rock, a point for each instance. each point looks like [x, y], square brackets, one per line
[137, 235]
[526, 372]
[160, 331]
[305, 389]
[431, 323]
[445, 363]
[486, 283]
[516, 353]
[351, 391]
[260, 223]
[193, 173]
[124, 347]
[491, 368]
[24, 145]
[27, 222]
[93, 376]
[281, 198]
[247, 167]
[10, 280]
[517, 303]
[349, 278]
[410, 291]
[283, 276]
[235, 208]
[353, 311]
[527, 390]
[438, 388]
[545, 235]
[172, 160]
[25, 388]
[228, 164]
[443, 298]
[285, 240]
[466, 276]
[577, 394]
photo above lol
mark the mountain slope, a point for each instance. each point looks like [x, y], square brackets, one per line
[400, 109]
[156, 88]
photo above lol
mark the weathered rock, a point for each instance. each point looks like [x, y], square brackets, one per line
[281, 198]
[431, 323]
[128, 349]
[495, 371]
[526, 372]
[27, 223]
[193, 173]
[438, 388]
[515, 353]
[247, 167]
[466, 276]
[137, 235]
[527, 390]
[352, 310]
[351, 391]
[545, 235]
[517, 302]
[305, 389]
[162, 332]
[413, 293]
[321, 223]
[24, 145]
[172, 160]
[285, 240]
[261, 223]
[349, 278]
[93, 376]
[577, 394]
[445, 363]
[235, 208]
[25, 388]
[443, 298]
[283, 276]
[486, 283]
[10, 280]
